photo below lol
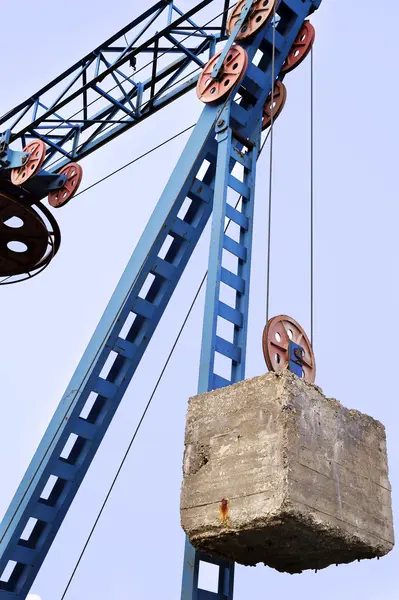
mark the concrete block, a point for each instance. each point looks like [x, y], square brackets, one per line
[275, 472]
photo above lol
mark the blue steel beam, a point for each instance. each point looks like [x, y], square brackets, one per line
[116, 86]
[220, 313]
[126, 328]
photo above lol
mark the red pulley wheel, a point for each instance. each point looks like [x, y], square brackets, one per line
[275, 109]
[37, 153]
[300, 48]
[233, 70]
[29, 239]
[74, 174]
[276, 338]
[260, 13]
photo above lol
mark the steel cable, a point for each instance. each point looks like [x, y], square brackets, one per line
[134, 160]
[311, 198]
[269, 226]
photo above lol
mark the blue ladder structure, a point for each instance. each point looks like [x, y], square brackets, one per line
[227, 136]
[218, 312]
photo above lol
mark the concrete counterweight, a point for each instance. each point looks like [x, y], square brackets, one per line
[275, 472]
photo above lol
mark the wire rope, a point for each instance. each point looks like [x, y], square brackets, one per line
[131, 162]
[269, 226]
[311, 198]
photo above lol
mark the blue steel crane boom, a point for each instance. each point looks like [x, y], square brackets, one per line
[227, 134]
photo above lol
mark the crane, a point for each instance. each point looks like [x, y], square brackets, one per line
[241, 86]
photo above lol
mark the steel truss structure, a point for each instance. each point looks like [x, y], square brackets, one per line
[132, 75]
[226, 142]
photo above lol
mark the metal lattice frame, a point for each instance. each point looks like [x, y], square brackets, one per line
[135, 73]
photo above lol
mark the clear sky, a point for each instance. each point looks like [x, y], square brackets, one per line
[137, 549]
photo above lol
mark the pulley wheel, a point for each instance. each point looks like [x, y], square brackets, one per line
[29, 238]
[260, 13]
[300, 48]
[37, 154]
[276, 338]
[279, 100]
[74, 174]
[232, 71]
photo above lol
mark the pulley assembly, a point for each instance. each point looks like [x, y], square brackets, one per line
[274, 104]
[286, 346]
[300, 48]
[261, 12]
[232, 72]
[29, 239]
[214, 89]
[36, 152]
[73, 173]
[29, 234]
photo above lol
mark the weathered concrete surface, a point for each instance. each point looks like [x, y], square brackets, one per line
[275, 472]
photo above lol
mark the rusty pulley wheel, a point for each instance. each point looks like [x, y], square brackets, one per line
[29, 238]
[74, 174]
[37, 154]
[274, 108]
[300, 48]
[260, 13]
[276, 338]
[233, 70]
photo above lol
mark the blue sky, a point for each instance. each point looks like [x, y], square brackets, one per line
[137, 549]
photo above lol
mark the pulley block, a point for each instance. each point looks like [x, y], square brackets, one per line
[285, 340]
[29, 239]
[60, 197]
[260, 13]
[274, 106]
[37, 153]
[232, 71]
[300, 48]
